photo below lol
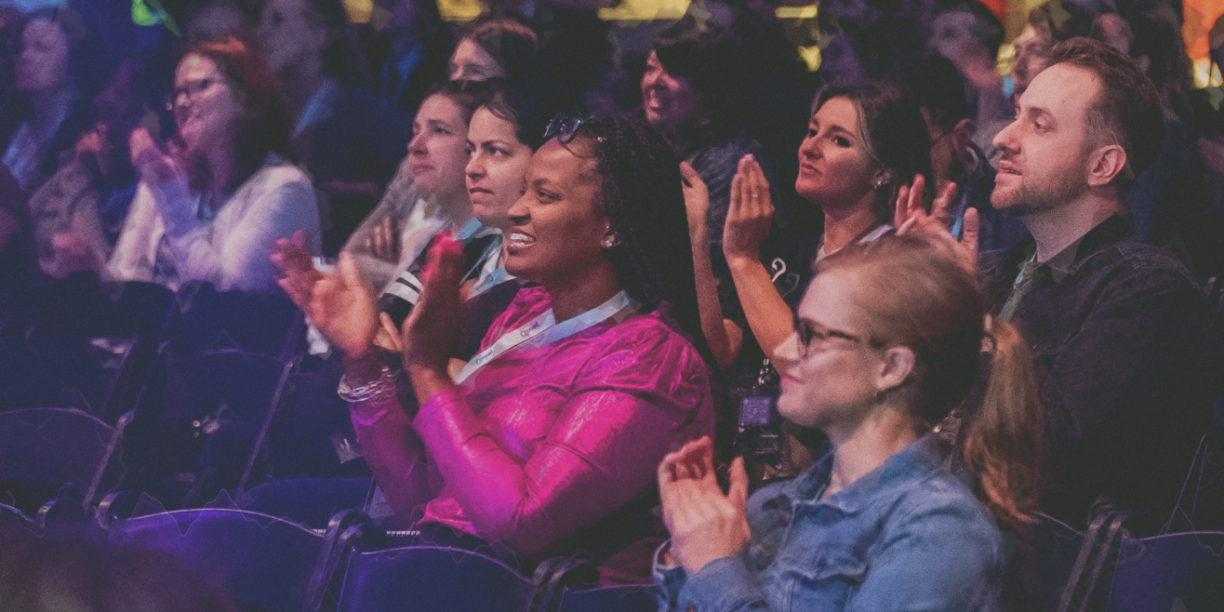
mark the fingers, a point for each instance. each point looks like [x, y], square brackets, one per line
[350, 276]
[391, 332]
[917, 188]
[688, 174]
[969, 238]
[901, 214]
[943, 201]
[737, 493]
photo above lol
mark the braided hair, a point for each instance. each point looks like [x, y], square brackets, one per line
[642, 196]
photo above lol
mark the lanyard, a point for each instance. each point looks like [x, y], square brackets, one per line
[544, 329]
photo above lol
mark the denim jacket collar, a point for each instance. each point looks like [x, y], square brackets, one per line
[920, 457]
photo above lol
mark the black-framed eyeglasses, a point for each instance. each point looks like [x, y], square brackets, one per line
[564, 127]
[191, 89]
[810, 333]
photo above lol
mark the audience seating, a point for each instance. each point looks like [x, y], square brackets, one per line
[431, 579]
[1161, 572]
[263, 561]
[47, 451]
[619, 598]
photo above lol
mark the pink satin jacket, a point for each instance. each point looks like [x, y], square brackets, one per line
[542, 443]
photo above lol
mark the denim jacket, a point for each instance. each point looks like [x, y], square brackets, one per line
[907, 536]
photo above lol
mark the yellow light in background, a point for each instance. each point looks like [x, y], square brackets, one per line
[460, 10]
[645, 10]
[359, 10]
[796, 12]
[1206, 74]
[1007, 54]
[811, 57]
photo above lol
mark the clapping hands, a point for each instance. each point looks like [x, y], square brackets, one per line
[705, 523]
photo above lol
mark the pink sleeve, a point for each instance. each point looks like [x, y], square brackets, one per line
[603, 449]
[395, 455]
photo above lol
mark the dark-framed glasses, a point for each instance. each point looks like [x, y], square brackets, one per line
[190, 89]
[814, 337]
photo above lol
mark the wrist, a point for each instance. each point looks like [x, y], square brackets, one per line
[739, 262]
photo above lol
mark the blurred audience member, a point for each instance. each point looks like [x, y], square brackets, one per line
[210, 204]
[349, 141]
[967, 33]
[209, 20]
[407, 53]
[54, 73]
[78, 213]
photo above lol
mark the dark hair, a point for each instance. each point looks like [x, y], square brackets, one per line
[937, 86]
[890, 123]
[1127, 109]
[711, 60]
[917, 296]
[642, 195]
[515, 46]
[265, 126]
[84, 67]
[988, 29]
[342, 58]
[467, 95]
[530, 110]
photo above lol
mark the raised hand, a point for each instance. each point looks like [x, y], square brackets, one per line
[384, 241]
[154, 165]
[432, 332]
[696, 196]
[750, 213]
[705, 524]
[338, 304]
[911, 218]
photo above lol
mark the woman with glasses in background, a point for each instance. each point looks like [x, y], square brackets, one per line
[545, 442]
[889, 338]
[210, 205]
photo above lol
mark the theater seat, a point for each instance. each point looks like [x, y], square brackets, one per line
[45, 452]
[431, 579]
[265, 563]
[1178, 571]
[619, 598]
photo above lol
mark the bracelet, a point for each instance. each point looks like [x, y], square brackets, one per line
[377, 390]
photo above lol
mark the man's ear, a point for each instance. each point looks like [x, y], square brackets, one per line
[1106, 163]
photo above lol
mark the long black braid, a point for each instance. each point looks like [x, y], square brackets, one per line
[642, 197]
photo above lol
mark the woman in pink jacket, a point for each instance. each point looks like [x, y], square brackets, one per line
[546, 442]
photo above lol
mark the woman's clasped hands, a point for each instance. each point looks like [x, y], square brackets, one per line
[705, 523]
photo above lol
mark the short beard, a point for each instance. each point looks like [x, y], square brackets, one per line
[1033, 199]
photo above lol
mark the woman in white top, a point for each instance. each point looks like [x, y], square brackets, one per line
[211, 207]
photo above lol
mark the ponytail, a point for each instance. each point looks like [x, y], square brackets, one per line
[1003, 441]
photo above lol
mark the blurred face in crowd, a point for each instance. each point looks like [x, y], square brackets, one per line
[470, 62]
[954, 36]
[42, 65]
[496, 166]
[288, 35]
[669, 100]
[1044, 161]
[216, 22]
[557, 227]
[207, 106]
[437, 152]
[1032, 56]
[835, 162]
[830, 380]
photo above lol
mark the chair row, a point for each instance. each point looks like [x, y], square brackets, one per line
[268, 563]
